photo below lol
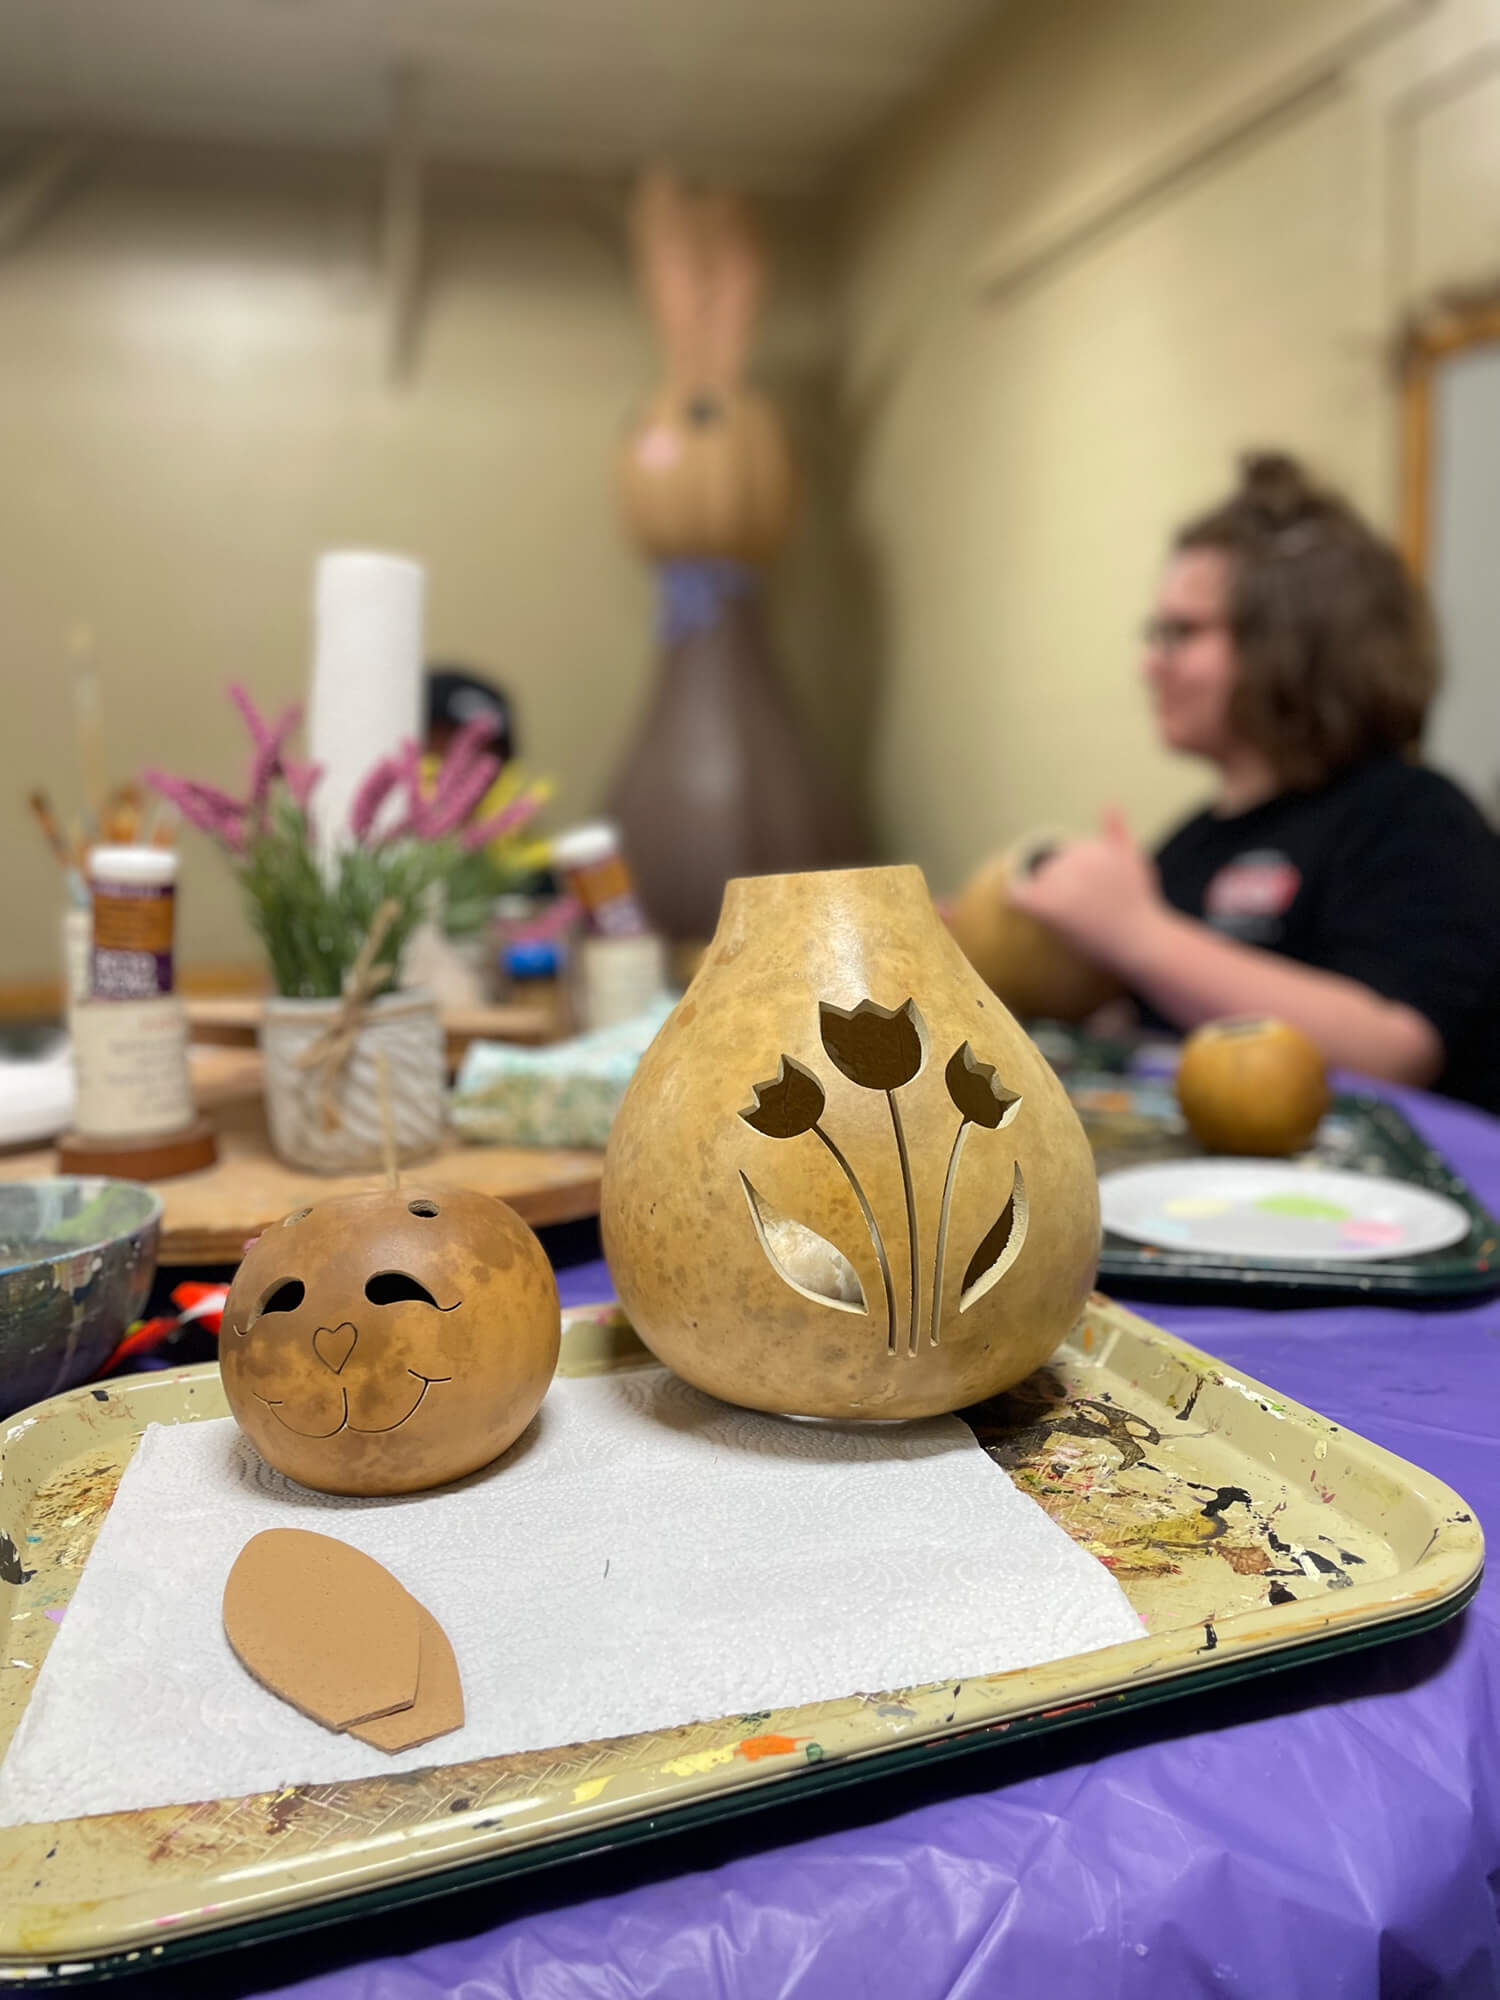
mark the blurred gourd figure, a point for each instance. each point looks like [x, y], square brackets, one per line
[1332, 881]
[720, 782]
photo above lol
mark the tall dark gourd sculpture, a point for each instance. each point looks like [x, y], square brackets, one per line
[720, 782]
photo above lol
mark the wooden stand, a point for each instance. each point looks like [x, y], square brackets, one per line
[155, 1159]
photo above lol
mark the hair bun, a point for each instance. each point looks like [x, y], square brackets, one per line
[1278, 489]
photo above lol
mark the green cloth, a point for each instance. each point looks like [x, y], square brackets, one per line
[563, 1095]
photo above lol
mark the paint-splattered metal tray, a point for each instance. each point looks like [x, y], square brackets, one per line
[1131, 1122]
[1247, 1531]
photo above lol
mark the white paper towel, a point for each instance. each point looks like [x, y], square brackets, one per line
[366, 696]
[643, 1556]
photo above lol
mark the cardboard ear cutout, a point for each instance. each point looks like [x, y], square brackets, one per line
[323, 1626]
[439, 1706]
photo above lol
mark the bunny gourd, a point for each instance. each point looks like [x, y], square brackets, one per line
[705, 470]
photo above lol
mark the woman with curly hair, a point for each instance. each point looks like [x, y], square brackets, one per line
[1332, 880]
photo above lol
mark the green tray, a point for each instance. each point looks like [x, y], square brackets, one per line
[1248, 1532]
[1131, 1122]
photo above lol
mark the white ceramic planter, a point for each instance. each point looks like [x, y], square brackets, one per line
[405, 1027]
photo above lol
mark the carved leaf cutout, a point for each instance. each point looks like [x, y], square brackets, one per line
[802, 1258]
[999, 1249]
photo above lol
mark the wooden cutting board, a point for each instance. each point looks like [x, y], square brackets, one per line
[234, 1022]
[209, 1216]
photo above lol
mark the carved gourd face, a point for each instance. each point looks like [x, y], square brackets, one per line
[390, 1341]
[707, 475]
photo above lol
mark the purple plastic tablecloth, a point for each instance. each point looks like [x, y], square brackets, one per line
[1334, 1830]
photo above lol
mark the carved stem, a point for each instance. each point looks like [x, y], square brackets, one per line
[914, 1247]
[942, 1241]
[875, 1237]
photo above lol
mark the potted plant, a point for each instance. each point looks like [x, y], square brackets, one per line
[340, 1036]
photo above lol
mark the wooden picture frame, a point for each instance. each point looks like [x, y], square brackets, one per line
[1451, 326]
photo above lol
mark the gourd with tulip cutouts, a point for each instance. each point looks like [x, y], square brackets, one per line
[843, 1182]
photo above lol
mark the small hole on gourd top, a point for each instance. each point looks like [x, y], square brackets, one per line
[423, 1208]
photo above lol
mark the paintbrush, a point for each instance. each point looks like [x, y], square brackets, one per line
[52, 833]
[46, 819]
[88, 721]
[161, 830]
[121, 820]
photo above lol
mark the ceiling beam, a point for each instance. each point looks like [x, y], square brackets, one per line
[46, 174]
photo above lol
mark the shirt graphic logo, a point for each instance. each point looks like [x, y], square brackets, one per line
[1250, 895]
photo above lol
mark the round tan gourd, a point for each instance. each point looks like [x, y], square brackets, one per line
[390, 1341]
[1035, 972]
[837, 1085]
[1251, 1086]
[707, 473]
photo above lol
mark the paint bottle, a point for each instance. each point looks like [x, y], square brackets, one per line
[129, 1033]
[593, 866]
[133, 891]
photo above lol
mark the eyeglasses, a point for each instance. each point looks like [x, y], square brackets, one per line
[1167, 634]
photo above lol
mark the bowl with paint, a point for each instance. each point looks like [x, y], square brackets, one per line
[77, 1256]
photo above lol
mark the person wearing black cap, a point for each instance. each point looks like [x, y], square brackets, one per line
[456, 696]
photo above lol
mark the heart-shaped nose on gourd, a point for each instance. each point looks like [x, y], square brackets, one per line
[334, 1344]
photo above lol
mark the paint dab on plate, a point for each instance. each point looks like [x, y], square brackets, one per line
[1370, 1234]
[1302, 1204]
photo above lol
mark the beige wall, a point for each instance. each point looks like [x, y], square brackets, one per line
[1131, 238]
[192, 405]
[1128, 238]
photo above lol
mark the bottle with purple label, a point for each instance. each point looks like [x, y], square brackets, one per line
[133, 891]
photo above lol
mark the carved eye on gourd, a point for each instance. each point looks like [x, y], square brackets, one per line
[391, 1288]
[283, 1297]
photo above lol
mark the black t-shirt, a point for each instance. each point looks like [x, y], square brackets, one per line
[1388, 875]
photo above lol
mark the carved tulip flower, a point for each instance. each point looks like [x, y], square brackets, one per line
[981, 1097]
[789, 1105]
[882, 1048]
[786, 1107]
[879, 1048]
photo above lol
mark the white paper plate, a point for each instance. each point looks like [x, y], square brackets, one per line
[1272, 1209]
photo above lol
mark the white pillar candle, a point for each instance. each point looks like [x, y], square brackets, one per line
[366, 694]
